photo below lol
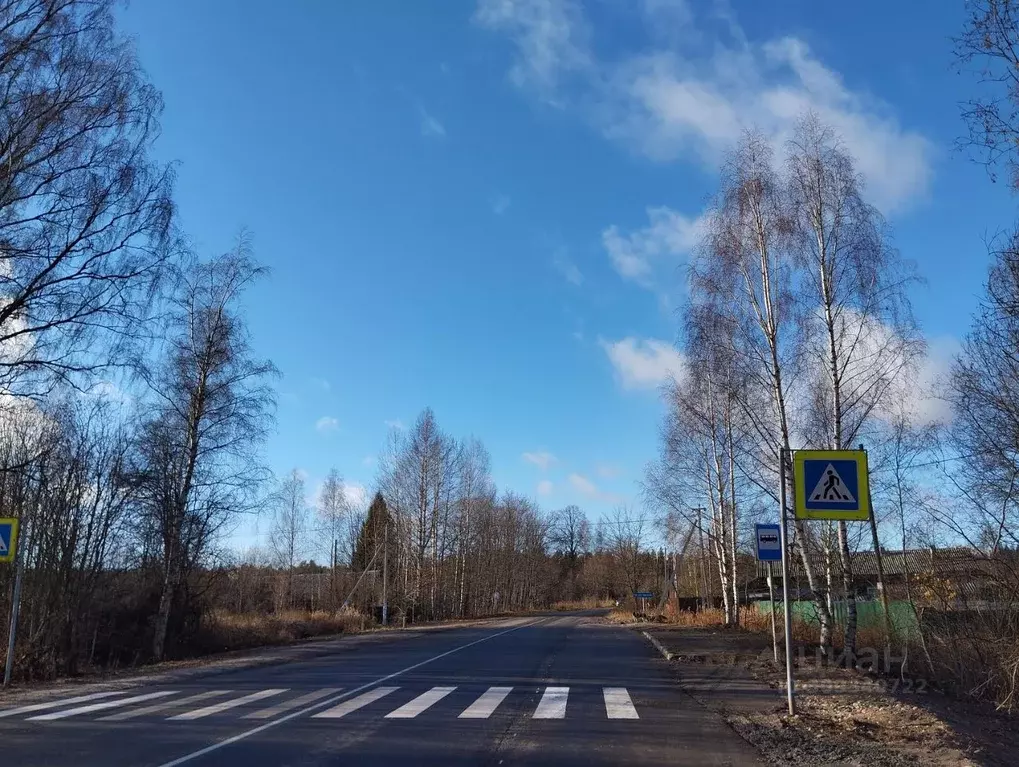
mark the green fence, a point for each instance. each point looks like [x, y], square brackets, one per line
[868, 614]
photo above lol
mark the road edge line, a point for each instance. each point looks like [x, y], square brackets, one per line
[657, 645]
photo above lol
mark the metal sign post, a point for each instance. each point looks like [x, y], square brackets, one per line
[789, 683]
[771, 602]
[9, 550]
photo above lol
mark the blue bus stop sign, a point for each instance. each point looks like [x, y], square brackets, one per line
[768, 542]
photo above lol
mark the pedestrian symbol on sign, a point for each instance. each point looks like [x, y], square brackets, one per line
[831, 488]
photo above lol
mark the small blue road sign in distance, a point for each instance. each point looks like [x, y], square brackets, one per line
[643, 595]
[768, 542]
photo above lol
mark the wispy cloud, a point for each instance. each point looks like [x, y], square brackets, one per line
[395, 423]
[500, 204]
[327, 424]
[321, 383]
[543, 460]
[430, 125]
[644, 363]
[545, 487]
[608, 471]
[689, 94]
[638, 255]
[551, 37]
[569, 270]
[590, 490]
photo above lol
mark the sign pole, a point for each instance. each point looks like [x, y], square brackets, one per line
[12, 636]
[771, 600]
[790, 691]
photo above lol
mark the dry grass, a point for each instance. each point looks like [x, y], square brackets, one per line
[621, 616]
[584, 604]
[234, 631]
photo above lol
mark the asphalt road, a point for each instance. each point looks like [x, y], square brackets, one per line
[563, 690]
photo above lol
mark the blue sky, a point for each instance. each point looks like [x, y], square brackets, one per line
[483, 207]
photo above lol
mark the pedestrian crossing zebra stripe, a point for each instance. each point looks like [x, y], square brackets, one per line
[552, 705]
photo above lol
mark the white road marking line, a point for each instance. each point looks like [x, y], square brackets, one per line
[422, 702]
[304, 700]
[552, 704]
[276, 722]
[56, 703]
[154, 709]
[216, 708]
[618, 704]
[484, 706]
[100, 706]
[349, 706]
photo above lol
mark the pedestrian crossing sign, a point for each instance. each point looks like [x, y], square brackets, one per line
[8, 539]
[831, 484]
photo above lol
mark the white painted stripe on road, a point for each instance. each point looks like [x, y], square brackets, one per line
[287, 705]
[100, 706]
[618, 704]
[422, 702]
[216, 708]
[121, 716]
[328, 702]
[552, 704]
[57, 703]
[484, 706]
[349, 706]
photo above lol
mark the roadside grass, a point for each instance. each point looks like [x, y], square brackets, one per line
[583, 604]
[235, 631]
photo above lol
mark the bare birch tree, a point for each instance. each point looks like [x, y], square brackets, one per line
[859, 336]
[198, 463]
[749, 257]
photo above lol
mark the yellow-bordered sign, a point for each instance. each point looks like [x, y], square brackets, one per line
[831, 484]
[8, 539]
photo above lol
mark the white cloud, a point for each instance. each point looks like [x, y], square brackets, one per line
[327, 424]
[550, 37]
[689, 94]
[368, 460]
[637, 255]
[566, 267]
[356, 494]
[430, 126]
[545, 487]
[644, 363]
[540, 459]
[395, 423]
[608, 471]
[590, 490]
[500, 204]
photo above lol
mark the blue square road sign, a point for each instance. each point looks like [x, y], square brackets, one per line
[768, 543]
[8, 539]
[831, 484]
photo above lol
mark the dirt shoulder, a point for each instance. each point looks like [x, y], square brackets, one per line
[234, 660]
[844, 717]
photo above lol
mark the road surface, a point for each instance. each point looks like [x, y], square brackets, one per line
[564, 690]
